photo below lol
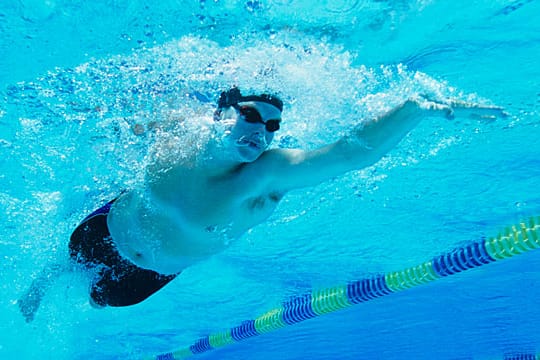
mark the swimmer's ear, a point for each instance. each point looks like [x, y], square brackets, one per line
[217, 114]
[224, 113]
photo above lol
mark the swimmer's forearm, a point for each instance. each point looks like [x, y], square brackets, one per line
[370, 141]
[364, 146]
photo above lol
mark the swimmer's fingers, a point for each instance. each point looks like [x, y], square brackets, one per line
[461, 109]
[453, 108]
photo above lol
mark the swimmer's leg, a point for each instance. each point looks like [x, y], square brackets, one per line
[29, 302]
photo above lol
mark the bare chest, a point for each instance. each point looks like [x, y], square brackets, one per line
[236, 215]
[179, 222]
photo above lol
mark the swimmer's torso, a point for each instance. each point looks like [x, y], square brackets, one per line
[185, 216]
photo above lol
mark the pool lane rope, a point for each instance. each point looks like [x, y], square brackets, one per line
[514, 240]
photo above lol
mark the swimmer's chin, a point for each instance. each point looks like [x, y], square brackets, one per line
[249, 153]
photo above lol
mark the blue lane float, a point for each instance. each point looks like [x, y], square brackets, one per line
[514, 240]
[367, 289]
[469, 257]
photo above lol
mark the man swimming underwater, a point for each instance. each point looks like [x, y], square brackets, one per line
[143, 239]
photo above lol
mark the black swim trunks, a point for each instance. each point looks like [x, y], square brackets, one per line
[119, 282]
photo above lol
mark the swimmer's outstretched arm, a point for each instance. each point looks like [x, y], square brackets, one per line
[30, 300]
[366, 144]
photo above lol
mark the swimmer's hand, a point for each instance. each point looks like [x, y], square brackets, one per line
[453, 108]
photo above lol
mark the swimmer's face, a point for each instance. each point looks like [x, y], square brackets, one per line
[253, 129]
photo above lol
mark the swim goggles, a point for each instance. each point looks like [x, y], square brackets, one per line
[251, 115]
[233, 96]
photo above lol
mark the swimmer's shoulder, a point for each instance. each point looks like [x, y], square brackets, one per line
[274, 164]
[281, 157]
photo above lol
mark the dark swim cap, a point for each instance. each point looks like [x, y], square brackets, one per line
[233, 97]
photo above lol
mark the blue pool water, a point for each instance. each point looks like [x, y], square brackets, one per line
[77, 78]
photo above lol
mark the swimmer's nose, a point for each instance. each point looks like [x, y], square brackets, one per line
[257, 136]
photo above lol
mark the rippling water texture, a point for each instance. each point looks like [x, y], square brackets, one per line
[84, 84]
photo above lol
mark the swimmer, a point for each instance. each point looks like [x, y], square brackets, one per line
[187, 212]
